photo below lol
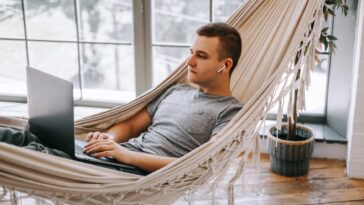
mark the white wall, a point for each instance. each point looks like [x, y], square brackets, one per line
[355, 131]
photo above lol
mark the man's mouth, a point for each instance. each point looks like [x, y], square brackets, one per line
[192, 71]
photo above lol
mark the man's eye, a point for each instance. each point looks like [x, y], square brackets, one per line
[202, 56]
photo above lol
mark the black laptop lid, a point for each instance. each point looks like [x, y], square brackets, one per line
[50, 110]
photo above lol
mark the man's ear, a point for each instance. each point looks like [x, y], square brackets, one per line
[228, 64]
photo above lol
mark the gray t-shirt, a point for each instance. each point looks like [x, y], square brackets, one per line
[183, 118]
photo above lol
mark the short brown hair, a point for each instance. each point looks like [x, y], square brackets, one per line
[229, 38]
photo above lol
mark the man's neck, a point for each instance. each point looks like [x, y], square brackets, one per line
[217, 90]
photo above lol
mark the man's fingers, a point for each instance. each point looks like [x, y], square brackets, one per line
[89, 136]
[104, 136]
[98, 146]
[92, 145]
[95, 136]
[93, 142]
[104, 154]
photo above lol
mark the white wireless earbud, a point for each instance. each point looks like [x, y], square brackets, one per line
[221, 69]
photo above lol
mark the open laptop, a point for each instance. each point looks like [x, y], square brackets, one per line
[51, 116]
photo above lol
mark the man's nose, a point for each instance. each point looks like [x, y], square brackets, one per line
[191, 61]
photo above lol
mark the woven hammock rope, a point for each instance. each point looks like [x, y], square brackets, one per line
[273, 32]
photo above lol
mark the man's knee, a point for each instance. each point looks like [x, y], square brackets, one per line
[16, 137]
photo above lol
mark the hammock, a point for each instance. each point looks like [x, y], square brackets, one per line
[274, 33]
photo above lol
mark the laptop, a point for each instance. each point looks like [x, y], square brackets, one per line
[50, 112]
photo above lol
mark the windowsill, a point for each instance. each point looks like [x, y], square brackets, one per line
[322, 132]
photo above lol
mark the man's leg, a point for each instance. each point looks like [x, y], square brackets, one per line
[17, 137]
[24, 138]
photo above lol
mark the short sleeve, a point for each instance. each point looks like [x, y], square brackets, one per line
[225, 116]
[153, 106]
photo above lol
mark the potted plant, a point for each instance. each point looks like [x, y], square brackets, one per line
[291, 147]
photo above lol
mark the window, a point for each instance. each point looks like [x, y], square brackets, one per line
[91, 43]
[88, 42]
[12, 52]
[173, 27]
[316, 93]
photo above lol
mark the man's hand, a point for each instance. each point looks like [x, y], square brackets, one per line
[93, 136]
[108, 148]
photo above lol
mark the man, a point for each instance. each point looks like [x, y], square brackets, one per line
[183, 117]
[178, 121]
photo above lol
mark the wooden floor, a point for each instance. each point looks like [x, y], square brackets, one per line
[325, 183]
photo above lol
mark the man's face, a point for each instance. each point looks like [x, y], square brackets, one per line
[203, 62]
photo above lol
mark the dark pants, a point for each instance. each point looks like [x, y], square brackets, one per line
[24, 138]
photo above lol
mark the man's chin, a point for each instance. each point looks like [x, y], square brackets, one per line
[191, 79]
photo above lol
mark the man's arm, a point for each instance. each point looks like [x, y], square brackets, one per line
[109, 148]
[150, 162]
[125, 130]
[106, 144]
[132, 127]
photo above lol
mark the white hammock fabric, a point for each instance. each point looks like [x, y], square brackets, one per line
[273, 32]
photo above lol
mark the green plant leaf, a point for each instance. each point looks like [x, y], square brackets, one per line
[324, 8]
[326, 15]
[322, 39]
[331, 12]
[326, 44]
[331, 37]
[328, 2]
[324, 30]
[345, 12]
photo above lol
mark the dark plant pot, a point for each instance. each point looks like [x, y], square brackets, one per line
[290, 157]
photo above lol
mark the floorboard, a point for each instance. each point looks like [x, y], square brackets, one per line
[325, 183]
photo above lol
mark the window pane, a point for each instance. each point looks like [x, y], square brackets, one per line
[59, 59]
[108, 72]
[12, 68]
[106, 20]
[176, 21]
[53, 20]
[11, 19]
[316, 94]
[224, 9]
[165, 60]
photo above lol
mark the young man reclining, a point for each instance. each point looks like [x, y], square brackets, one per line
[182, 118]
